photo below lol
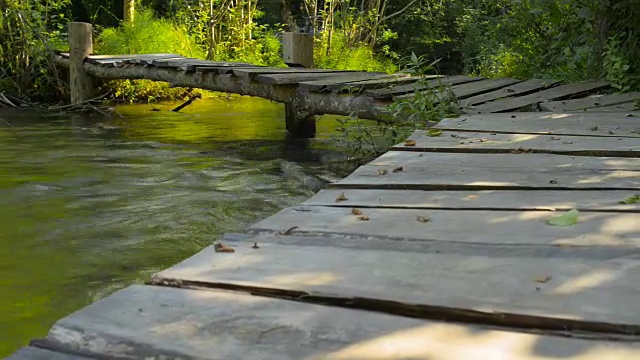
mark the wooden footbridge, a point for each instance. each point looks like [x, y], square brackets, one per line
[307, 92]
[502, 236]
[310, 92]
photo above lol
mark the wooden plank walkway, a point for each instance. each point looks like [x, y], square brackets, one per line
[439, 249]
[365, 94]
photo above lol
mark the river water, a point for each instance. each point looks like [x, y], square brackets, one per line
[91, 205]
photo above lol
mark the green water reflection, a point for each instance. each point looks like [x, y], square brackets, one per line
[88, 206]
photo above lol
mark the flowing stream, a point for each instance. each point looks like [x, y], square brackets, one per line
[90, 205]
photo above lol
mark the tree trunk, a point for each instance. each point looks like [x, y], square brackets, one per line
[286, 15]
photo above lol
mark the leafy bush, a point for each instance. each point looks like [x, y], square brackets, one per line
[26, 41]
[367, 139]
[356, 57]
[562, 39]
[146, 34]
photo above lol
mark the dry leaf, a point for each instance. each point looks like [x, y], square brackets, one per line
[472, 196]
[355, 211]
[363, 218]
[423, 219]
[382, 172]
[541, 279]
[410, 143]
[223, 248]
[398, 169]
[341, 198]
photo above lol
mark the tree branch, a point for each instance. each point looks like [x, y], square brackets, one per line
[399, 11]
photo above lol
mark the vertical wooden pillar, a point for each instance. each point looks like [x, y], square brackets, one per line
[129, 10]
[81, 84]
[297, 49]
[300, 124]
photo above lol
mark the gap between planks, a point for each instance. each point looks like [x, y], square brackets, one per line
[513, 200]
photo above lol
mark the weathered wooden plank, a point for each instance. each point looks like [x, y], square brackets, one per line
[477, 142]
[221, 70]
[463, 227]
[189, 64]
[322, 84]
[118, 60]
[158, 321]
[590, 124]
[493, 282]
[452, 171]
[32, 353]
[357, 86]
[394, 91]
[478, 87]
[296, 78]
[148, 60]
[555, 93]
[478, 200]
[523, 88]
[253, 72]
[630, 108]
[123, 61]
[590, 102]
[473, 88]
[95, 58]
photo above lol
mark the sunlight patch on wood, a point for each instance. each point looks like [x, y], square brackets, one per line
[583, 282]
[226, 296]
[604, 178]
[309, 279]
[522, 216]
[452, 342]
[524, 137]
[595, 240]
[557, 116]
[492, 183]
[622, 224]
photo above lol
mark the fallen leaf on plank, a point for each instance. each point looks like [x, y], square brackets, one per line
[218, 247]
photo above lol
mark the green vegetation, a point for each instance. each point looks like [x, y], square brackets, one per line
[147, 34]
[562, 39]
[433, 103]
[29, 30]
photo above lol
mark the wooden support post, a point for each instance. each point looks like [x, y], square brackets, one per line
[129, 10]
[300, 124]
[81, 84]
[297, 49]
